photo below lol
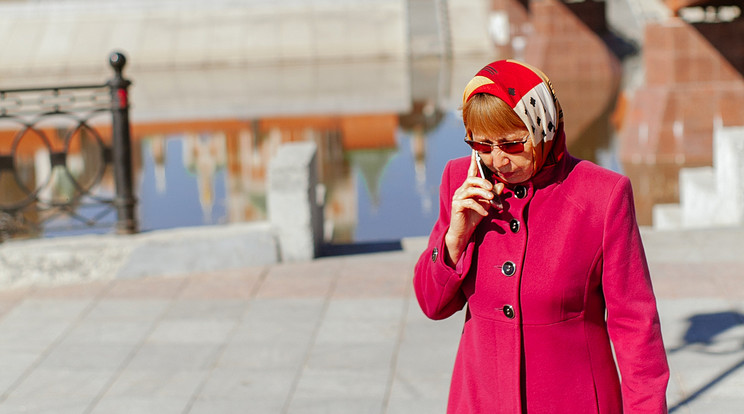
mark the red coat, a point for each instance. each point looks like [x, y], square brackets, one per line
[538, 279]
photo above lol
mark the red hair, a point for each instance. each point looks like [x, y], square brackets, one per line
[489, 115]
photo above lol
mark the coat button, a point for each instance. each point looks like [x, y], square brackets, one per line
[520, 191]
[434, 255]
[508, 268]
[514, 225]
[508, 311]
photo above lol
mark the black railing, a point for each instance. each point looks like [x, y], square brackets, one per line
[57, 146]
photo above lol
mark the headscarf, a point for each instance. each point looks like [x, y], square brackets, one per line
[528, 91]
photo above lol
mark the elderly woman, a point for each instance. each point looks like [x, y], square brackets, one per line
[545, 251]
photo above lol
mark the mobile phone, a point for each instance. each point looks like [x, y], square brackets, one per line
[496, 200]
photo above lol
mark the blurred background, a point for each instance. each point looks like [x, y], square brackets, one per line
[218, 86]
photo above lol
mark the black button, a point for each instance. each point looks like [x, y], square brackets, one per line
[520, 191]
[508, 311]
[434, 255]
[514, 225]
[508, 268]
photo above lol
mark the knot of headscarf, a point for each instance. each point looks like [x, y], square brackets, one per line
[528, 91]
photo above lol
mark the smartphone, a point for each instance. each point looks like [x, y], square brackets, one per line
[496, 200]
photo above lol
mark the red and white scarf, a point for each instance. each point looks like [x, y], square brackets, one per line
[528, 91]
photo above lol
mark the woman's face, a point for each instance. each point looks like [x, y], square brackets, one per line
[511, 168]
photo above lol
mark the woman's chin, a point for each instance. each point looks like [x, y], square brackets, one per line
[509, 178]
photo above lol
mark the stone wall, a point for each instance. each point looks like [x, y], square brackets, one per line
[73, 36]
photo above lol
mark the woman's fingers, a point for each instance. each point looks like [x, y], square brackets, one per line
[498, 188]
[478, 193]
[474, 187]
[473, 168]
[471, 204]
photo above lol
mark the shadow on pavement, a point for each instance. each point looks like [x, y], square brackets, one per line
[360, 248]
[704, 328]
[704, 332]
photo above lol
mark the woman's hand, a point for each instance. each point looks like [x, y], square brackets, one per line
[470, 204]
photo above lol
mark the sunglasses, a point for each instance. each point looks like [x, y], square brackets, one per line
[511, 147]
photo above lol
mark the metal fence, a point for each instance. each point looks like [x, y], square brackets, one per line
[58, 147]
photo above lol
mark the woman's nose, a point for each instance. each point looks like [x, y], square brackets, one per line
[500, 159]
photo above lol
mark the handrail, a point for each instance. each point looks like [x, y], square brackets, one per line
[77, 158]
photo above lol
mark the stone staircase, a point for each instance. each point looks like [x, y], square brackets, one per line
[710, 196]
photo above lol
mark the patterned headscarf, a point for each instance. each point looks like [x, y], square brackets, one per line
[529, 92]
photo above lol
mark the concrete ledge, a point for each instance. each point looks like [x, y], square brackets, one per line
[713, 245]
[167, 252]
[63, 260]
[294, 232]
[202, 249]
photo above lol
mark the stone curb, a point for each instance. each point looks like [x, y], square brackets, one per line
[166, 252]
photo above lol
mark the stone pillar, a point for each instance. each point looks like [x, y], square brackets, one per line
[295, 213]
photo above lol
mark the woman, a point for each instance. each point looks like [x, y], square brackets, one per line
[545, 251]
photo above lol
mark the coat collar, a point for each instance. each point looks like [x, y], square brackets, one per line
[555, 173]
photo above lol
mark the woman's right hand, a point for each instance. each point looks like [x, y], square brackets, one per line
[470, 204]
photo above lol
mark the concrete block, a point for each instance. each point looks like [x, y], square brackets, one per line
[667, 216]
[728, 160]
[293, 208]
[203, 249]
[61, 260]
[697, 196]
[711, 196]
[64, 260]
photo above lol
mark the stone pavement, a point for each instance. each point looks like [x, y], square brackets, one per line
[339, 334]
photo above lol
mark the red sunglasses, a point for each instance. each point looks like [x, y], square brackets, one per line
[511, 147]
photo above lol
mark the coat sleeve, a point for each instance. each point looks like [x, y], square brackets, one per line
[437, 285]
[632, 317]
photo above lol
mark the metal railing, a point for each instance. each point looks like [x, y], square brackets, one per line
[57, 145]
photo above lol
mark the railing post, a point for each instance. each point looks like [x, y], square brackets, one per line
[122, 148]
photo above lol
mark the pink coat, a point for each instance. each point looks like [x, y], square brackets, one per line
[538, 279]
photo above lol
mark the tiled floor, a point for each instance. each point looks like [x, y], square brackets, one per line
[336, 335]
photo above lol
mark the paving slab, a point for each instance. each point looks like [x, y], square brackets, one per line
[337, 334]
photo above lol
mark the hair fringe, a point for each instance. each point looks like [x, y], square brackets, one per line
[489, 115]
